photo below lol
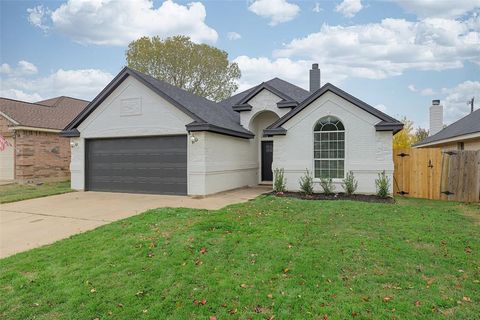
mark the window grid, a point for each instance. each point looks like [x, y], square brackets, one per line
[329, 149]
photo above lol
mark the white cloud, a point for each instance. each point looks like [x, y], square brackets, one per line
[81, 83]
[233, 36]
[412, 88]
[423, 92]
[427, 92]
[317, 8]
[439, 8]
[257, 70]
[20, 95]
[37, 16]
[277, 11]
[388, 48]
[119, 22]
[5, 68]
[26, 68]
[349, 8]
[455, 102]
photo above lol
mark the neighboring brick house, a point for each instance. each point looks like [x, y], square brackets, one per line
[37, 152]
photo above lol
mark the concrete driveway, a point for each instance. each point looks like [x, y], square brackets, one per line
[32, 223]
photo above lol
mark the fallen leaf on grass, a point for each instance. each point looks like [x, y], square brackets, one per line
[387, 298]
[270, 296]
[198, 302]
[233, 311]
[150, 254]
[203, 250]
[468, 249]
[286, 270]
[120, 305]
[213, 318]
[198, 262]
[418, 303]
[93, 290]
[467, 299]
[243, 285]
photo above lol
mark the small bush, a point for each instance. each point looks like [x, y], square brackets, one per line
[327, 186]
[279, 180]
[383, 185]
[350, 184]
[306, 183]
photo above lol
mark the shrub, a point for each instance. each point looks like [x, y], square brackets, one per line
[327, 186]
[306, 183]
[383, 185]
[279, 180]
[350, 184]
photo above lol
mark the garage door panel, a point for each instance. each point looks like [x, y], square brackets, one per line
[140, 165]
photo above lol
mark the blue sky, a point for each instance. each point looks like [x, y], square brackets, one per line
[396, 55]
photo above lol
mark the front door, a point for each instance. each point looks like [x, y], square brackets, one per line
[267, 158]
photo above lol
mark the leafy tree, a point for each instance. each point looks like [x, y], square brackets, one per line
[198, 68]
[420, 134]
[403, 139]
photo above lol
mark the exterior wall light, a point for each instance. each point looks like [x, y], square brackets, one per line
[193, 139]
[73, 144]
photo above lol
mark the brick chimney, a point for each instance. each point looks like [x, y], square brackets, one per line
[436, 117]
[314, 78]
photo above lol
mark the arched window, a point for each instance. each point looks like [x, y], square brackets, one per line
[329, 148]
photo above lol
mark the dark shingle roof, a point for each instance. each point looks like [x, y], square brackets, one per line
[466, 125]
[387, 123]
[207, 115]
[295, 92]
[208, 111]
[43, 114]
[288, 89]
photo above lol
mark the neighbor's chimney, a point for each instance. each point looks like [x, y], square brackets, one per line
[314, 78]
[436, 117]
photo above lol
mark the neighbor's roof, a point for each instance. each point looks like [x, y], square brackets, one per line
[54, 113]
[386, 123]
[207, 115]
[466, 125]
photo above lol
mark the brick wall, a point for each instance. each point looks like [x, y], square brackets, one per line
[4, 127]
[41, 156]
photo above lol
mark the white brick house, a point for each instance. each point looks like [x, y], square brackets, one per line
[143, 135]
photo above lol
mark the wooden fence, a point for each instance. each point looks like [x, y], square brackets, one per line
[433, 174]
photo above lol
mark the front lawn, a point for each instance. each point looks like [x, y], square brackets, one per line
[270, 257]
[18, 192]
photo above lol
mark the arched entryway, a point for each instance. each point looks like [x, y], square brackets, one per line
[263, 145]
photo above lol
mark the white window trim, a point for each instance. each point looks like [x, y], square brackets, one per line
[335, 180]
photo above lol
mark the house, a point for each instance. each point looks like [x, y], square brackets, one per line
[146, 136]
[463, 134]
[35, 151]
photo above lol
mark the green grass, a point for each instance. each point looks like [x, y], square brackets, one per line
[18, 192]
[281, 257]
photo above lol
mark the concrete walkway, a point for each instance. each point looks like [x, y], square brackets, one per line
[32, 223]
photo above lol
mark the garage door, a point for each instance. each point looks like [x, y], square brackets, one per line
[138, 165]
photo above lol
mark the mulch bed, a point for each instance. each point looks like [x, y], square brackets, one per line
[336, 196]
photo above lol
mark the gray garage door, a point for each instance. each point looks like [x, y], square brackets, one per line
[139, 165]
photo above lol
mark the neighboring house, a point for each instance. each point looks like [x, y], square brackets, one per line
[35, 150]
[144, 135]
[463, 134]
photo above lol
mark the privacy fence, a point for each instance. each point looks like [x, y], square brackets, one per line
[435, 174]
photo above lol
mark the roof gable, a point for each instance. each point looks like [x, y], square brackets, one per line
[386, 123]
[466, 125]
[207, 115]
